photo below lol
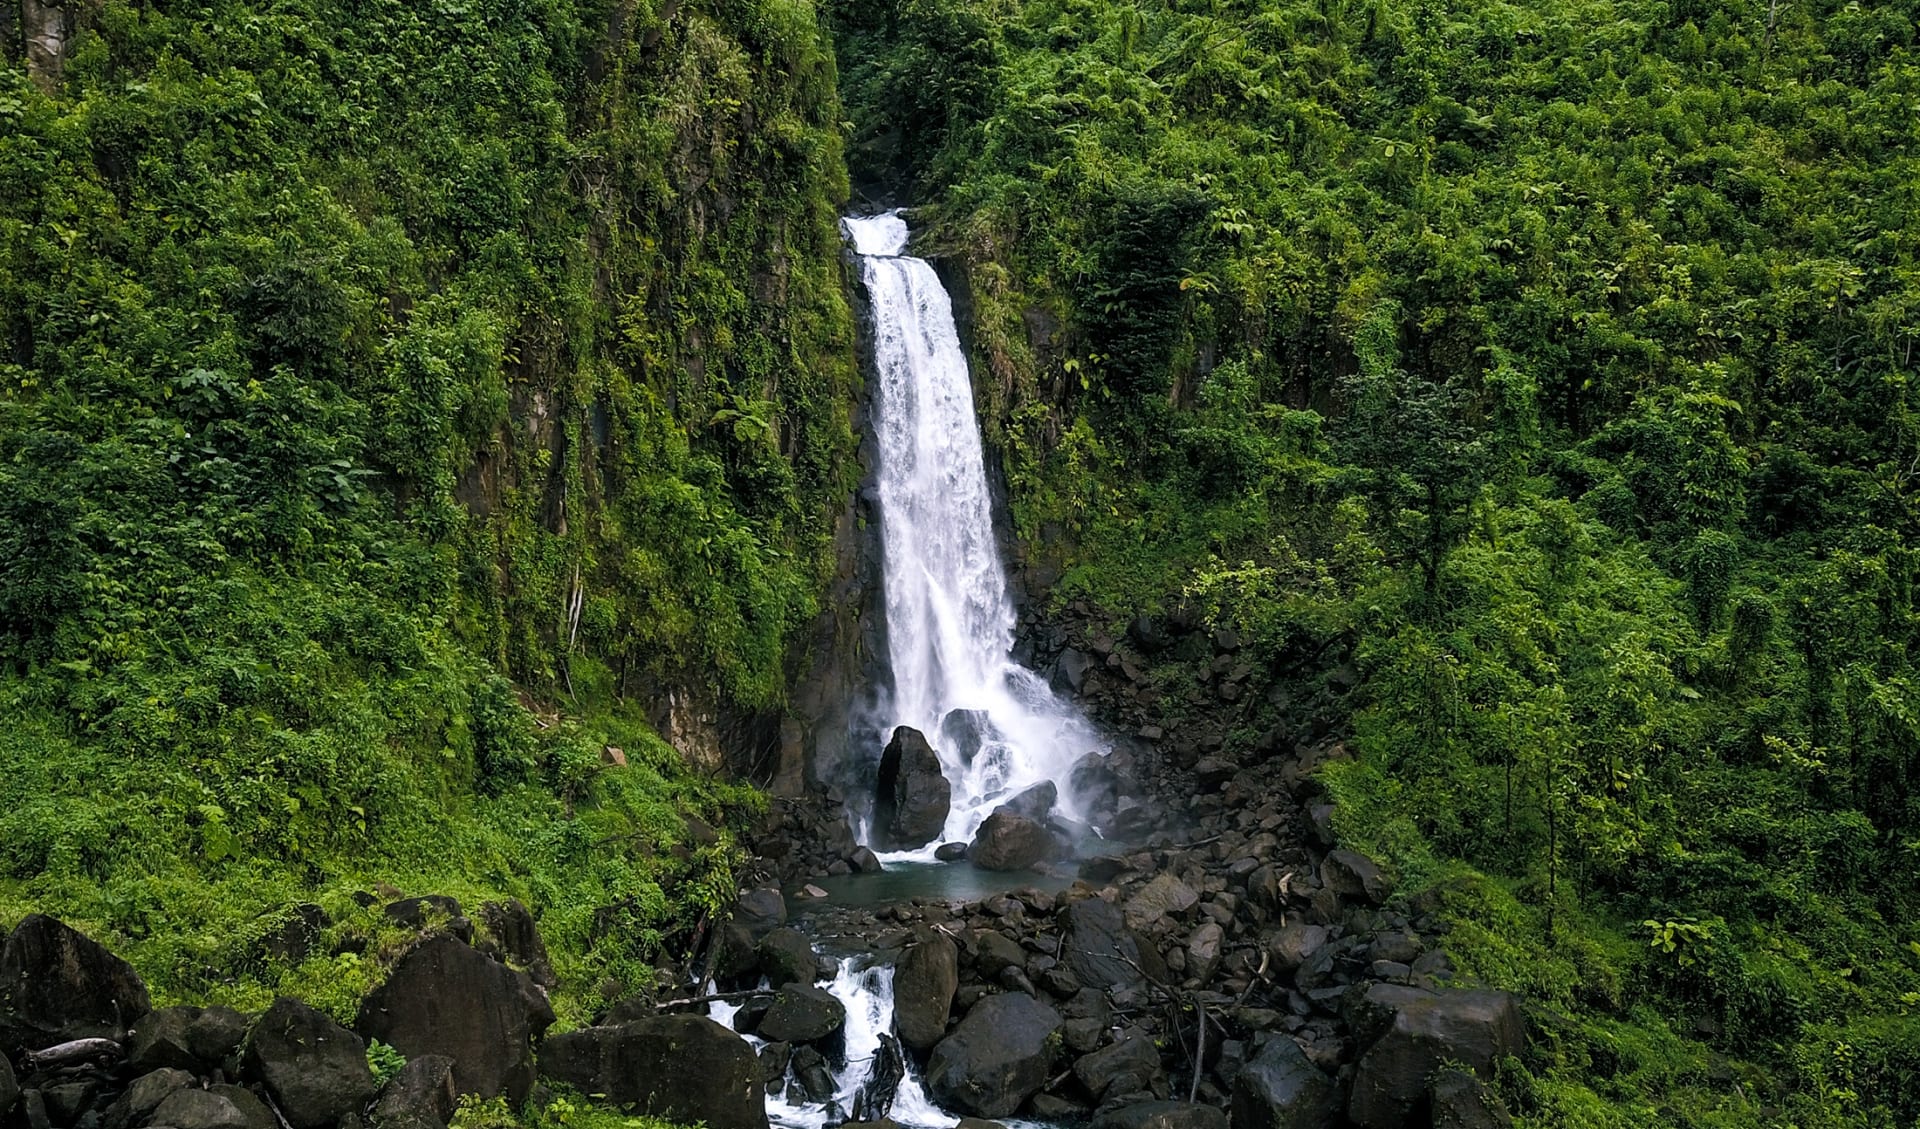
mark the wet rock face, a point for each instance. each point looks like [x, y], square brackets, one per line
[802, 1013]
[997, 1057]
[1474, 1028]
[1280, 1088]
[57, 984]
[1007, 841]
[684, 1068]
[914, 797]
[315, 1069]
[446, 998]
[924, 982]
[1100, 948]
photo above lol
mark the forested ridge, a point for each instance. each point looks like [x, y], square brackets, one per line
[1553, 362]
[408, 411]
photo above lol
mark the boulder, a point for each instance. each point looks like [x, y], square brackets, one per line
[1162, 1115]
[297, 934]
[1295, 944]
[1460, 1100]
[914, 797]
[964, 732]
[136, 1104]
[993, 952]
[684, 1068]
[424, 1093]
[188, 1108]
[163, 1038]
[997, 1057]
[786, 957]
[1471, 1028]
[924, 981]
[1099, 947]
[1280, 1089]
[446, 998]
[802, 1013]
[1164, 895]
[314, 1069]
[950, 852]
[513, 936]
[1009, 842]
[1368, 1008]
[1203, 951]
[1070, 671]
[1036, 803]
[9, 1087]
[56, 984]
[1355, 877]
[431, 911]
[252, 1109]
[216, 1033]
[864, 861]
[760, 911]
[1131, 1064]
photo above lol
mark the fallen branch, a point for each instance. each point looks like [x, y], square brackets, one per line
[715, 998]
[66, 1054]
[1200, 1054]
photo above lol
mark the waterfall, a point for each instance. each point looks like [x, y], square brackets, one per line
[867, 992]
[997, 726]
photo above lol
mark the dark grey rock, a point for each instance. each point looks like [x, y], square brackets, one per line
[1292, 945]
[913, 797]
[802, 1013]
[446, 998]
[924, 982]
[57, 984]
[997, 1057]
[1279, 1088]
[951, 852]
[215, 1034]
[1035, 803]
[251, 1108]
[1099, 947]
[314, 1069]
[512, 935]
[1131, 1063]
[1355, 877]
[136, 1104]
[1471, 1028]
[163, 1038]
[424, 1090]
[1460, 1100]
[685, 1068]
[1010, 842]
[188, 1108]
[786, 957]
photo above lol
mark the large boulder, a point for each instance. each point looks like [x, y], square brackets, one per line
[1007, 841]
[422, 1095]
[513, 936]
[1355, 877]
[1036, 802]
[1460, 1100]
[315, 1070]
[9, 1087]
[1099, 947]
[1294, 944]
[914, 797]
[684, 1068]
[1162, 1115]
[924, 983]
[447, 998]
[163, 1038]
[802, 1013]
[786, 957]
[963, 733]
[1129, 1065]
[136, 1103]
[188, 1108]
[997, 1057]
[1471, 1028]
[1166, 894]
[1279, 1088]
[57, 984]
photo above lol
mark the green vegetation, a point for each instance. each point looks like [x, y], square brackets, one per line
[1555, 361]
[396, 401]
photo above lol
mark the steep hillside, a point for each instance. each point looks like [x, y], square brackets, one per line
[399, 403]
[1531, 385]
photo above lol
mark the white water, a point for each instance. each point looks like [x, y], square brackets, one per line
[868, 996]
[950, 616]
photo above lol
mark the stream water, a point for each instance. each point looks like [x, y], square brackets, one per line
[997, 726]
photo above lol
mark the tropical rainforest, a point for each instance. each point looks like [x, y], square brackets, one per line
[404, 407]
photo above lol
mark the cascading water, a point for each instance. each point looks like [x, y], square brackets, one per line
[867, 992]
[996, 726]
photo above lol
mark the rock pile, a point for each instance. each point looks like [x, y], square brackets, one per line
[91, 1052]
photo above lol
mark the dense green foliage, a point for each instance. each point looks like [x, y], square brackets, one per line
[1555, 360]
[396, 398]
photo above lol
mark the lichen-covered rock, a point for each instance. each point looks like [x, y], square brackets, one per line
[1472, 1028]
